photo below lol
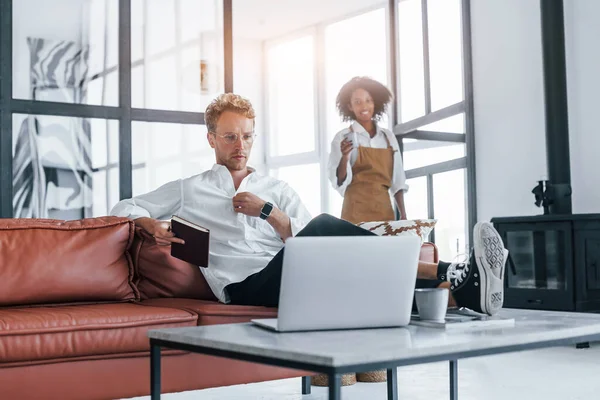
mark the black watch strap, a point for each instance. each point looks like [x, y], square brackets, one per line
[266, 210]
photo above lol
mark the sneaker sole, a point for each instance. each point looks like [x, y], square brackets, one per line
[489, 254]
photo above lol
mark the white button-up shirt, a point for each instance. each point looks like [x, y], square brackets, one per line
[362, 137]
[240, 245]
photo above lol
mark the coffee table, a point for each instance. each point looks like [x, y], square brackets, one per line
[337, 352]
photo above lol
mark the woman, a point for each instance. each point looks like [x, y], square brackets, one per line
[365, 165]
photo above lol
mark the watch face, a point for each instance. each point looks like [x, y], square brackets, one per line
[266, 210]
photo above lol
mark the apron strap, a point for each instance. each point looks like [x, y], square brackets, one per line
[387, 139]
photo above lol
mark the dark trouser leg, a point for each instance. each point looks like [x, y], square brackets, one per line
[262, 288]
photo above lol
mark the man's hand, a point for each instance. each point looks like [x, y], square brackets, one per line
[161, 230]
[251, 205]
[248, 203]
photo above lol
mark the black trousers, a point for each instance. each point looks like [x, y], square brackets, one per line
[262, 288]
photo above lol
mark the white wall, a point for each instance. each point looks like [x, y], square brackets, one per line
[582, 32]
[509, 105]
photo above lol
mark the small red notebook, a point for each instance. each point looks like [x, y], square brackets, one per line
[196, 237]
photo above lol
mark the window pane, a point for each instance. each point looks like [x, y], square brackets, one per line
[412, 73]
[454, 124]
[248, 70]
[64, 167]
[66, 51]
[419, 153]
[415, 200]
[445, 52]
[106, 191]
[291, 101]
[305, 180]
[160, 86]
[163, 152]
[199, 17]
[202, 77]
[450, 209]
[177, 53]
[138, 76]
[137, 30]
[159, 12]
[365, 32]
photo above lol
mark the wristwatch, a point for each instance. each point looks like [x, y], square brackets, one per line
[266, 210]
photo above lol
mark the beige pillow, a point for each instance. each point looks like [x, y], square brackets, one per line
[417, 227]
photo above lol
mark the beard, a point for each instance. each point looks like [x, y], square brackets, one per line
[233, 164]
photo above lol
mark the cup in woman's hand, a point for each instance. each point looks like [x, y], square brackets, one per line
[349, 137]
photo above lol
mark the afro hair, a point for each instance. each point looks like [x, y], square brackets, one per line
[380, 93]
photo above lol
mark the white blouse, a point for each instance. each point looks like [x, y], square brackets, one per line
[364, 139]
[240, 245]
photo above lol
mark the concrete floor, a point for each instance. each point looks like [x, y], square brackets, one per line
[551, 374]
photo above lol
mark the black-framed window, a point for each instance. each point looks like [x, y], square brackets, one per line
[95, 93]
[435, 115]
[424, 56]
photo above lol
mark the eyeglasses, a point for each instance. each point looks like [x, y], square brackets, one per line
[231, 138]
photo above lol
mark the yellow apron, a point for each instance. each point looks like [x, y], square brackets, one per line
[367, 197]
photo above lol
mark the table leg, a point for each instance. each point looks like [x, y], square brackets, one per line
[392, 383]
[306, 382]
[453, 379]
[335, 387]
[154, 371]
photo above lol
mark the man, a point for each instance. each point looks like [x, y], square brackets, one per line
[250, 216]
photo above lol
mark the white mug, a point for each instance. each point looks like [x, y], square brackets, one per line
[432, 303]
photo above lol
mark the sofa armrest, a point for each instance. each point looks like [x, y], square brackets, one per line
[158, 274]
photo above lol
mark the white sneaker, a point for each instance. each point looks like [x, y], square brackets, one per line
[479, 283]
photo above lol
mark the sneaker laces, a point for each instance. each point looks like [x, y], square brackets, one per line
[458, 270]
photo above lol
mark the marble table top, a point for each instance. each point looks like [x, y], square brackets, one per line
[410, 345]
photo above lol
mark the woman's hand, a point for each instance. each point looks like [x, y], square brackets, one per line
[399, 196]
[346, 148]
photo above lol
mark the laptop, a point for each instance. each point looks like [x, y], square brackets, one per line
[346, 283]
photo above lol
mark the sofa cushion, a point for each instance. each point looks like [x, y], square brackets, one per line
[212, 312]
[160, 275]
[51, 261]
[63, 332]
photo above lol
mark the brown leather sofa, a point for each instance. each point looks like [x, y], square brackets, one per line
[76, 301]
